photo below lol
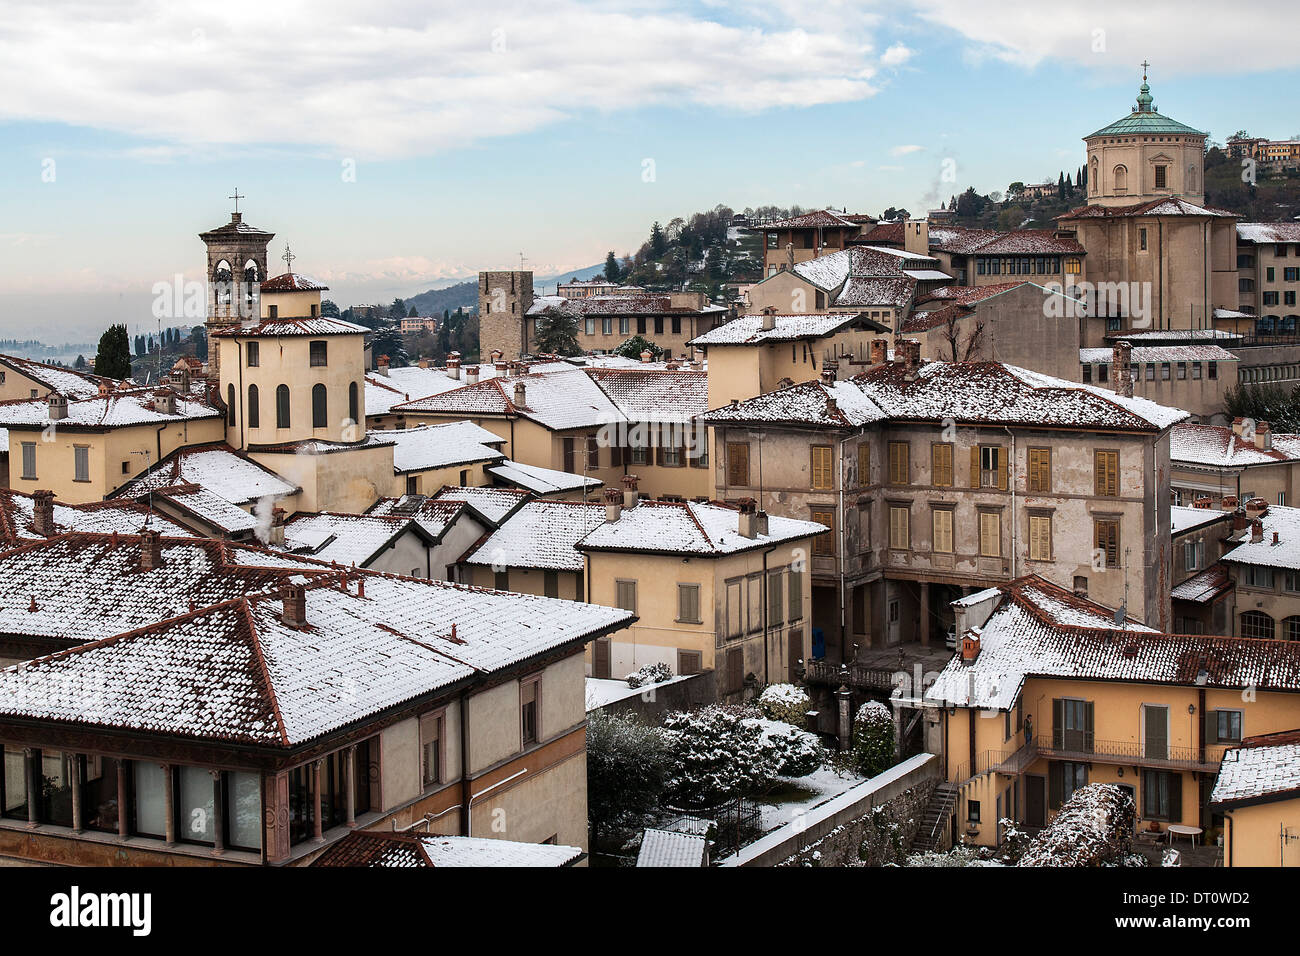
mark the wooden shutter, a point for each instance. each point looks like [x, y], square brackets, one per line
[942, 521]
[1040, 537]
[568, 455]
[990, 534]
[1040, 470]
[1175, 797]
[795, 651]
[822, 470]
[1055, 785]
[898, 529]
[735, 670]
[1106, 466]
[1058, 723]
[1107, 540]
[600, 658]
[1211, 726]
[1088, 725]
[824, 543]
[688, 602]
[737, 464]
[795, 595]
[974, 466]
[593, 452]
[898, 463]
[1004, 468]
[864, 463]
[627, 595]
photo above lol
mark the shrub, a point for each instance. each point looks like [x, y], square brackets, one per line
[1093, 828]
[874, 747]
[627, 763]
[655, 673]
[785, 702]
[789, 751]
[717, 756]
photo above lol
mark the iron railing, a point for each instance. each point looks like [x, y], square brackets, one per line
[851, 675]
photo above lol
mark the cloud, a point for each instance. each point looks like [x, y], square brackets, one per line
[896, 55]
[1177, 36]
[905, 150]
[387, 79]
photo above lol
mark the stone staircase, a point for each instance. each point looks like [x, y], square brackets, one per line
[935, 820]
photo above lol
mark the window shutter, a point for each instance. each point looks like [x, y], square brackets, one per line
[1004, 467]
[864, 463]
[1211, 726]
[1058, 722]
[796, 594]
[1055, 785]
[1087, 726]
[1175, 796]
[974, 466]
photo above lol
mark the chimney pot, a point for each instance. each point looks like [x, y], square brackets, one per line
[150, 549]
[1122, 359]
[43, 513]
[970, 646]
[1263, 436]
[1256, 531]
[381, 365]
[58, 405]
[471, 374]
[521, 394]
[613, 505]
[646, 355]
[879, 351]
[630, 495]
[294, 599]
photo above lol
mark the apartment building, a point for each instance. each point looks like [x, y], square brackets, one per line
[1051, 692]
[1257, 793]
[669, 319]
[22, 378]
[1263, 563]
[1268, 278]
[788, 242]
[1191, 375]
[1202, 587]
[1240, 461]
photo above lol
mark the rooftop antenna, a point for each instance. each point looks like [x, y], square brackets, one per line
[1121, 612]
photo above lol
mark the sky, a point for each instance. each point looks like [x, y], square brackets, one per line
[399, 146]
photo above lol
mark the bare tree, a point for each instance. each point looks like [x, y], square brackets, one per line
[962, 348]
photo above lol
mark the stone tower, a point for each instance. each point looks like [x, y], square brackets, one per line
[504, 299]
[235, 271]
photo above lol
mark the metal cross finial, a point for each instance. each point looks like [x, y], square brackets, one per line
[236, 197]
[288, 258]
[1145, 64]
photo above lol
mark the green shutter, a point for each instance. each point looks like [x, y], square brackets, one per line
[1058, 723]
[1175, 797]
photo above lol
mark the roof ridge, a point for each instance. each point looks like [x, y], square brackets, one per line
[259, 656]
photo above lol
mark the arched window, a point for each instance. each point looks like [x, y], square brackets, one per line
[319, 413]
[254, 412]
[282, 406]
[230, 405]
[1257, 624]
[1094, 180]
[353, 405]
[1121, 180]
[1291, 628]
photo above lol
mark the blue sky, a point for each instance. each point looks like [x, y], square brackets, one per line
[477, 135]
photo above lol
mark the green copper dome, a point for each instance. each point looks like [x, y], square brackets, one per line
[1145, 119]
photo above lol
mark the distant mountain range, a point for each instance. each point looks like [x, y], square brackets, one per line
[464, 295]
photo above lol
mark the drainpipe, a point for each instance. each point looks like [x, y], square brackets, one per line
[844, 628]
[465, 798]
[1015, 517]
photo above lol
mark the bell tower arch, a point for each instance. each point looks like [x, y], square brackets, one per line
[236, 267]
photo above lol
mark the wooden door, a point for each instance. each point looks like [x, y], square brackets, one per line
[1035, 800]
[600, 658]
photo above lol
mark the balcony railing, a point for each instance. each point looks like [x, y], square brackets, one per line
[851, 675]
[1084, 747]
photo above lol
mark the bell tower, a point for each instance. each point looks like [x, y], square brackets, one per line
[236, 268]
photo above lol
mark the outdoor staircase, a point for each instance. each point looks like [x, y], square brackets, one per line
[930, 834]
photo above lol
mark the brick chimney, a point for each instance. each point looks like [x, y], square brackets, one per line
[1238, 426]
[521, 394]
[453, 365]
[43, 513]
[1238, 522]
[1256, 531]
[830, 371]
[471, 374]
[276, 538]
[1263, 436]
[1122, 359]
[646, 355]
[879, 351]
[496, 356]
[630, 495]
[613, 504]
[769, 318]
[970, 646]
[747, 524]
[908, 354]
[760, 522]
[294, 598]
[381, 365]
[150, 549]
[58, 405]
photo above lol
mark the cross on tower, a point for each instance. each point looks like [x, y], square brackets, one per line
[236, 197]
[1145, 64]
[288, 258]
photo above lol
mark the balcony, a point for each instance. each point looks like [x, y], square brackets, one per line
[858, 675]
[1082, 747]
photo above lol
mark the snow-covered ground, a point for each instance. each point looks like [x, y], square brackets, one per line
[811, 791]
[601, 692]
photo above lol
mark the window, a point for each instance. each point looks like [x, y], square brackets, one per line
[195, 796]
[1040, 537]
[795, 594]
[775, 599]
[150, 810]
[81, 462]
[688, 603]
[530, 692]
[431, 748]
[899, 530]
[1087, 373]
[29, 460]
[1106, 542]
[992, 467]
[254, 408]
[252, 351]
[1257, 576]
[972, 811]
[990, 534]
[898, 462]
[737, 464]
[593, 452]
[319, 410]
[501, 580]
[282, 406]
[1224, 726]
[354, 411]
[230, 405]
[550, 583]
[823, 473]
[1073, 265]
[625, 595]
[864, 464]
[1193, 555]
[941, 464]
[1065, 778]
[1142, 239]
[318, 354]
[1038, 479]
[1291, 628]
[1161, 177]
[824, 543]
[1106, 474]
[623, 325]
[1162, 795]
[941, 527]
[607, 325]
[1257, 624]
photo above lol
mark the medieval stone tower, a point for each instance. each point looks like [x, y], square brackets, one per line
[504, 299]
[235, 272]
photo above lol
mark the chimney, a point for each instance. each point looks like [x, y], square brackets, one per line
[521, 394]
[879, 351]
[58, 406]
[453, 365]
[613, 505]
[1122, 359]
[829, 372]
[1275, 538]
[908, 353]
[164, 402]
[1238, 522]
[630, 496]
[646, 355]
[497, 356]
[1238, 426]
[1204, 501]
[760, 522]
[501, 367]
[1228, 502]
[471, 374]
[150, 550]
[769, 318]
[748, 518]
[1256, 531]
[294, 598]
[916, 236]
[104, 388]
[276, 538]
[970, 646]
[1256, 507]
[423, 363]
[1263, 436]
[381, 365]
[43, 513]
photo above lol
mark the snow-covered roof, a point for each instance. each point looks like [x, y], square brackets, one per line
[411, 382]
[495, 504]
[841, 404]
[689, 527]
[1268, 232]
[209, 508]
[236, 672]
[345, 539]
[1183, 518]
[671, 848]
[1154, 207]
[442, 446]
[541, 481]
[1058, 635]
[294, 282]
[978, 597]
[654, 395]
[1181, 336]
[638, 303]
[867, 275]
[1204, 587]
[66, 381]
[306, 325]
[1145, 354]
[817, 219]
[1277, 520]
[786, 327]
[1218, 446]
[542, 534]
[215, 467]
[431, 514]
[375, 848]
[1260, 770]
[124, 517]
[127, 407]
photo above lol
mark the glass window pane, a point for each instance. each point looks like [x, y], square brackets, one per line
[15, 803]
[244, 810]
[194, 805]
[99, 794]
[150, 804]
[57, 774]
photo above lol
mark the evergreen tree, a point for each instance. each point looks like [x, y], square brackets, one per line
[633, 347]
[1060, 186]
[80, 363]
[388, 340]
[658, 241]
[329, 308]
[413, 314]
[199, 342]
[611, 267]
[557, 333]
[397, 310]
[113, 359]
